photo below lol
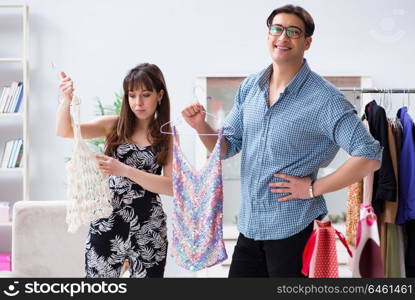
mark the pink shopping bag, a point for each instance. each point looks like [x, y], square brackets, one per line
[367, 261]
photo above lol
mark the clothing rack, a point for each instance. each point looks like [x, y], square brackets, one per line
[378, 91]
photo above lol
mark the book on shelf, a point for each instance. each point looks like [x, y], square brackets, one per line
[18, 99]
[15, 151]
[13, 90]
[12, 155]
[4, 97]
[19, 162]
[6, 154]
[11, 98]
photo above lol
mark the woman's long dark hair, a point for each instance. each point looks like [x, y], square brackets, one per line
[150, 77]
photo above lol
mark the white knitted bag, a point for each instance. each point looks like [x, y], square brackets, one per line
[88, 188]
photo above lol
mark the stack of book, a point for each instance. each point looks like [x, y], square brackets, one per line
[12, 155]
[11, 98]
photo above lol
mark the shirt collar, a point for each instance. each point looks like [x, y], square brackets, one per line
[294, 85]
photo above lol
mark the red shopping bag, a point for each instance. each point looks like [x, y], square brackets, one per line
[320, 253]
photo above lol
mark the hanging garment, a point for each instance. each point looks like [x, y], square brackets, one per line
[391, 238]
[398, 133]
[395, 252]
[367, 182]
[406, 210]
[88, 188]
[367, 261]
[320, 253]
[384, 184]
[198, 205]
[354, 199]
[391, 207]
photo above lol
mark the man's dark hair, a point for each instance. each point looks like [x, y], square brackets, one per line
[299, 12]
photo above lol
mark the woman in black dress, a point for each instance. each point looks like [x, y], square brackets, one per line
[135, 155]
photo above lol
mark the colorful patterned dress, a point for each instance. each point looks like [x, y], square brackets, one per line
[198, 210]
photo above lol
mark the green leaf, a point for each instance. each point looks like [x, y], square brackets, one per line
[118, 103]
[101, 109]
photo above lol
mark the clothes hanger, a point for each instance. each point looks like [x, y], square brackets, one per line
[390, 110]
[382, 98]
[361, 111]
[388, 101]
[409, 103]
[179, 120]
[363, 107]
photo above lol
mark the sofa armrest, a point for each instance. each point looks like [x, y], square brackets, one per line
[41, 245]
[6, 274]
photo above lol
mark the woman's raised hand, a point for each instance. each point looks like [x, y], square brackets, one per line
[66, 86]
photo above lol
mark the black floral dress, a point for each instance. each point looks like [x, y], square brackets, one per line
[136, 230]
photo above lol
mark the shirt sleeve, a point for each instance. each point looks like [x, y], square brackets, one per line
[340, 123]
[233, 125]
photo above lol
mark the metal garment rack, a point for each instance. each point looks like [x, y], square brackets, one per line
[378, 91]
[386, 92]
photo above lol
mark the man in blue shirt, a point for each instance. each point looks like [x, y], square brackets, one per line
[287, 122]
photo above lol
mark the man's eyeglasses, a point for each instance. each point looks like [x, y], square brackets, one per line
[291, 31]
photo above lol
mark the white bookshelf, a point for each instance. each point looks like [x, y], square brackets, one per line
[2, 59]
[11, 170]
[16, 178]
[10, 116]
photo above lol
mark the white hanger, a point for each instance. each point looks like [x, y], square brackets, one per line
[388, 96]
[181, 119]
[361, 111]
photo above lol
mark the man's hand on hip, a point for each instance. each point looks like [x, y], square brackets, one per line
[296, 187]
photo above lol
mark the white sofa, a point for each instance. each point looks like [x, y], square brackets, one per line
[41, 245]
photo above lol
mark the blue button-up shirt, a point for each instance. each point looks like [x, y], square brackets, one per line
[300, 133]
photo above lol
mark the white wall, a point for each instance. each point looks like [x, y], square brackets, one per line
[98, 41]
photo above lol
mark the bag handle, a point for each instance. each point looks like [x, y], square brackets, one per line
[309, 249]
[75, 118]
[308, 253]
[344, 242]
